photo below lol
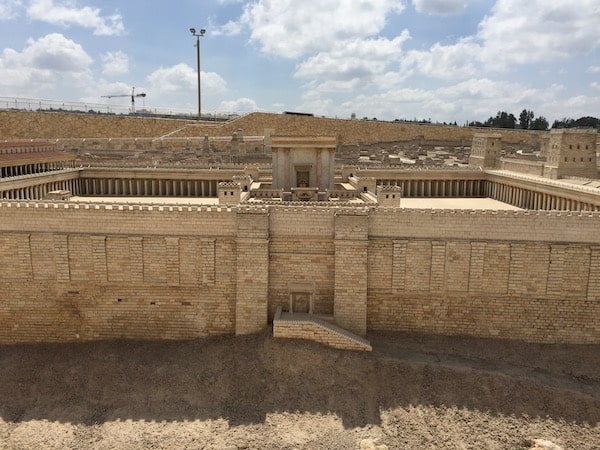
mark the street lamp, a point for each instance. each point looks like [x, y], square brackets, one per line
[200, 33]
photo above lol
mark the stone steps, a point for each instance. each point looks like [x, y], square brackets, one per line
[310, 327]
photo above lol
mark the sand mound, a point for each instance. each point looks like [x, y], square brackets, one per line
[257, 392]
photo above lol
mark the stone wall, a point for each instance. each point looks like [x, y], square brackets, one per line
[86, 273]
[55, 125]
[164, 272]
[357, 131]
[524, 166]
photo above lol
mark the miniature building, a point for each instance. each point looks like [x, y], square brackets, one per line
[229, 192]
[389, 195]
[303, 162]
[571, 153]
[61, 194]
[117, 268]
[485, 151]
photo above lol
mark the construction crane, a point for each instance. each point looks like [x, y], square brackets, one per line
[133, 97]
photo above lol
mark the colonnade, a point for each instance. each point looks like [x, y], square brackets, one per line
[35, 168]
[148, 187]
[438, 188]
[39, 191]
[528, 199]
[521, 197]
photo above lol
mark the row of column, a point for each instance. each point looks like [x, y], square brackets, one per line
[527, 199]
[438, 188]
[517, 196]
[39, 191]
[31, 169]
[149, 187]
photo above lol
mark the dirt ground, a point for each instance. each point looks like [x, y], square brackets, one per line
[412, 392]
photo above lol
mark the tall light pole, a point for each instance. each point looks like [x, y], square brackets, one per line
[200, 33]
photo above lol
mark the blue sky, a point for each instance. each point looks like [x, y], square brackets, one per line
[448, 60]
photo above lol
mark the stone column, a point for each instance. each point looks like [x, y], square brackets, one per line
[593, 291]
[319, 171]
[350, 294]
[252, 275]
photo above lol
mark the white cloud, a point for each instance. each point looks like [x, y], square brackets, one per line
[539, 30]
[115, 63]
[9, 9]
[313, 102]
[515, 33]
[456, 61]
[472, 99]
[182, 77]
[241, 105]
[66, 13]
[290, 29]
[352, 62]
[440, 7]
[231, 28]
[593, 69]
[48, 62]
[595, 85]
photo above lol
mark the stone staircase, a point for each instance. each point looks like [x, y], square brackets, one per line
[310, 327]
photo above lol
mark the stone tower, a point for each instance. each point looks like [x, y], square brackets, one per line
[229, 192]
[389, 195]
[485, 151]
[571, 152]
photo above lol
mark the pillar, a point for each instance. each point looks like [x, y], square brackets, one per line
[593, 290]
[252, 271]
[136, 258]
[99, 257]
[350, 292]
[172, 248]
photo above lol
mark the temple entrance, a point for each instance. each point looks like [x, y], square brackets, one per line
[300, 302]
[301, 297]
[302, 178]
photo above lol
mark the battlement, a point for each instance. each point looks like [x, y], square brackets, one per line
[228, 184]
[97, 206]
[345, 208]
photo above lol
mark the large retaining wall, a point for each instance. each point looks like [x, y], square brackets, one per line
[128, 271]
[55, 125]
[356, 131]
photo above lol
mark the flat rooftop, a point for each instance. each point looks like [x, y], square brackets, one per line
[456, 203]
[408, 203]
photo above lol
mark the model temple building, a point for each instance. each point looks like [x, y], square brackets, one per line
[505, 248]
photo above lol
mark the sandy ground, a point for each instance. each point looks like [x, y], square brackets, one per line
[456, 203]
[409, 203]
[147, 200]
[412, 392]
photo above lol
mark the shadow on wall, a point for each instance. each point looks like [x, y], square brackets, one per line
[242, 379]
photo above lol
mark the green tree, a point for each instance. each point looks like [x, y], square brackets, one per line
[502, 120]
[586, 122]
[525, 119]
[539, 123]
